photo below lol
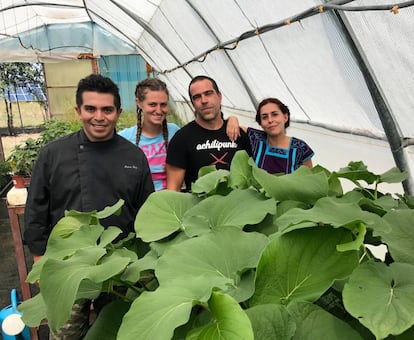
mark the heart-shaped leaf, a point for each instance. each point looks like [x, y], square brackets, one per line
[162, 213]
[381, 297]
[239, 208]
[230, 322]
[401, 240]
[302, 265]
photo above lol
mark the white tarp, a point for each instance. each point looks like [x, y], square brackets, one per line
[298, 51]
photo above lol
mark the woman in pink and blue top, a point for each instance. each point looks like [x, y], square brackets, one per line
[272, 149]
[152, 132]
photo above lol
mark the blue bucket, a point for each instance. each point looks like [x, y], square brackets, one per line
[12, 328]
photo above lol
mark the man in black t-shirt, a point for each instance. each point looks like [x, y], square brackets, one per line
[203, 141]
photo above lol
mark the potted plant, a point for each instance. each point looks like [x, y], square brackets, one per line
[22, 159]
[246, 255]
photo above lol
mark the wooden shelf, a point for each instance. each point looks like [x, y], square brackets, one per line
[14, 212]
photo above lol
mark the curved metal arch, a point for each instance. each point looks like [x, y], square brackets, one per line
[388, 122]
[246, 86]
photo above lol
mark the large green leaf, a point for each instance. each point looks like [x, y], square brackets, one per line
[230, 322]
[237, 209]
[188, 272]
[356, 171]
[121, 252]
[68, 224]
[394, 175]
[133, 272]
[155, 315]
[34, 274]
[106, 326]
[302, 185]
[109, 235]
[240, 171]
[400, 241]
[161, 215]
[89, 290]
[379, 206]
[205, 170]
[381, 297]
[267, 226]
[160, 246]
[335, 185]
[73, 219]
[59, 248]
[313, 322]
[111, 210]
[87, 236]
[208, 183]
[83, 265]
[34, 310]
[285, 206]
[271, 321]
[301, 265]
[336, 212]
[223, 258]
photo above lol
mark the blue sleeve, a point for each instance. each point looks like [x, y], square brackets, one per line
[129, 134]
[172, 129]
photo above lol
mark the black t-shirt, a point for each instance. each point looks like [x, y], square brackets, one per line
[193, 147]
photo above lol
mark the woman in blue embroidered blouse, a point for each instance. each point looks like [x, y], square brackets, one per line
[273, 150]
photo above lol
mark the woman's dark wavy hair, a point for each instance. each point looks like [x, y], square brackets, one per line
[100, 84]
[276, 101]
[150, 84]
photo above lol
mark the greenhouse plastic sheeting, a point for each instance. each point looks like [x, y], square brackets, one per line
[313, 55]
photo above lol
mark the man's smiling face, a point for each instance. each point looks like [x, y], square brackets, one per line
[98, 115]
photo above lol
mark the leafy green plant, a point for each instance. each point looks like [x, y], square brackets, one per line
[126, 119]
[23, 156]
[246, 255]
[54, 128]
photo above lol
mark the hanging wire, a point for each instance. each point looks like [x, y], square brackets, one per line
[233, 43]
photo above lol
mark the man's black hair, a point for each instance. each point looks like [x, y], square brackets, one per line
[198, 78]
[100, 84]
